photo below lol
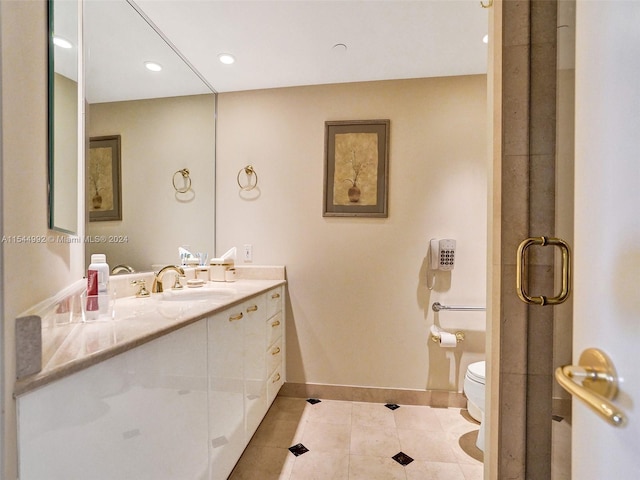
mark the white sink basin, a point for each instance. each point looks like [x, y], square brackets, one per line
[172, 303]
[200, 293]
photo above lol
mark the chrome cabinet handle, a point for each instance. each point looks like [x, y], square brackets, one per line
[521, 269]
[276, 379]
[275, 351]
[233, 318]
[275, 295]
[276, 323]
[599, 384]
[252, 308]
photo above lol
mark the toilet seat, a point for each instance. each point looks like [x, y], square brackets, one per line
[476, 372]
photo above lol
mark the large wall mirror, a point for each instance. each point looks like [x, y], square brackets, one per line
[63, 116]
[143, 126]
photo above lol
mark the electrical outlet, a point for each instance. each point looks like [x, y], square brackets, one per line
[248, 253]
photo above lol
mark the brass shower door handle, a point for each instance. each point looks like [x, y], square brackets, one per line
[599, 384]
[521, 269]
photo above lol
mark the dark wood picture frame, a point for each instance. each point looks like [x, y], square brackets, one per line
[104, 188]
[356, 170]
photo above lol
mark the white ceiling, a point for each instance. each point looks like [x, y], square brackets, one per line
[289, 43]
[277, 43]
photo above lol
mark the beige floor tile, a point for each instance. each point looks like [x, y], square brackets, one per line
[473, 472]
[464, 447]
[455, 420]
[265, 463]
[420, 470]
[330, 411]
[417, 418]
[274, 433]
[363, 467]
[320, 466]
[372, 415]
[287, 408]
[374, 441]
[356, 440]
[427, 446]
[327, 437]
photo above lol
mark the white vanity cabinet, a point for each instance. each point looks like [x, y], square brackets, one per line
[275, 343]
[241, 365]
[181, 406]
[139, 415]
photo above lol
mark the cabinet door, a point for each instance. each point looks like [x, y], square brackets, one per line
[255, 374]
[226, 389]
[111, 420]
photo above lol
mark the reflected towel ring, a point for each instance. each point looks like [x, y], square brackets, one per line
[249, 172]
[486, 5]
[187, 180]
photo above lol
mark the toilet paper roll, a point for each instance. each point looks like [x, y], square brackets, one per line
[448, 340]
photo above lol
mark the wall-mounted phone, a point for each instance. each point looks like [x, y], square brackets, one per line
[442, 256]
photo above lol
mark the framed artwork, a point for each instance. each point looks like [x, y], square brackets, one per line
[103, 179]
[356, 170]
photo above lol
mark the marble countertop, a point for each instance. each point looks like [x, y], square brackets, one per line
[73, 346]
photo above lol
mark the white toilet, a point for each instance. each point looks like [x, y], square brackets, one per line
[474, 386]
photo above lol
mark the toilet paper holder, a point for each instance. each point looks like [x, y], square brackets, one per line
[435, 336]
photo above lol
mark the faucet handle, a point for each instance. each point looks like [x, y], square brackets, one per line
[142, 288]
[177, 285]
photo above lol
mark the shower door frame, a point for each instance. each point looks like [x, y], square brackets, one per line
[522, 81]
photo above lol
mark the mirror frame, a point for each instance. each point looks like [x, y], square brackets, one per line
[50, 113]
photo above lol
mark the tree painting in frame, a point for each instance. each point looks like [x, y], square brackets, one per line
[103, 179]
[356, 168]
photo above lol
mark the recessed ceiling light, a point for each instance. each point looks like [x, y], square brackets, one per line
[226, 58]
[62, 42]
[153, 66]
[485, 39]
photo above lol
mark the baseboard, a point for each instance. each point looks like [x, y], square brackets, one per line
[432, 398]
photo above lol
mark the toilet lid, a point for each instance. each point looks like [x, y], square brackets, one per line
[476, 371]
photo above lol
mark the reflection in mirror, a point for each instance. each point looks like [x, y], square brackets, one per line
[166, 122]
[63, 115]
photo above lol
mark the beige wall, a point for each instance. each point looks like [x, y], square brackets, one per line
[31, 272]
[158, 138]
[359, 311]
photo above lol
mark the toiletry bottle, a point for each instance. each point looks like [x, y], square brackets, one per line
[99, 264]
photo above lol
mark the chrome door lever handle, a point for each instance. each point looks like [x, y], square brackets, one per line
[599, 384]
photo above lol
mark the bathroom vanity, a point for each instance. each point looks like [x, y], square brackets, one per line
[172, 388]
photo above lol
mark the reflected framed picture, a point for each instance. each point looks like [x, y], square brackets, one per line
[104, 190]
[356, 170]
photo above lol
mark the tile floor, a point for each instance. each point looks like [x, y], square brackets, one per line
[334, 440]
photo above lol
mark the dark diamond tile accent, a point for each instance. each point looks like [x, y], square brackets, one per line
[298, 449]
[557, 418]
[313, 401]
[392, 406]
[402, 458]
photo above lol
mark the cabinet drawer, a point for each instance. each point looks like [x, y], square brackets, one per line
[273, 385]
[274, 356]
[274, 328]
[274, 301]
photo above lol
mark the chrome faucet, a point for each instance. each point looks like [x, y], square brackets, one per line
[157, 282]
